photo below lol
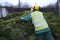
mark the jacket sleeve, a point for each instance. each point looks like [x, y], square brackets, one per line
[26, 18]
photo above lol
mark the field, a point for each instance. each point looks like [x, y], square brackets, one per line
[11, 28]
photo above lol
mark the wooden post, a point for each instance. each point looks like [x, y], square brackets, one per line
[1, 12]
[58, 4]
[59, 9]
[19, 3]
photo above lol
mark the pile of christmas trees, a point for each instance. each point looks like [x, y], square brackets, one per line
[11, 28]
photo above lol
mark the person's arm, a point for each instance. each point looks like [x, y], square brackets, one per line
[26, 18]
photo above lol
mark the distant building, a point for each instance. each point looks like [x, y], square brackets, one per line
[3, 9]
[3, 12]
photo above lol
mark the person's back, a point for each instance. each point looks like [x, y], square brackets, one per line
[39, 21]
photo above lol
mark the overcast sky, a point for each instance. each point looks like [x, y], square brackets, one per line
[31, 2]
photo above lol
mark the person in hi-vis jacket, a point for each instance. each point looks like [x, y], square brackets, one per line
[41, 27]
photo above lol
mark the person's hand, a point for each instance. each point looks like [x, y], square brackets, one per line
[21, 18]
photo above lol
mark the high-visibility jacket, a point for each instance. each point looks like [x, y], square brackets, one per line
[39, 21]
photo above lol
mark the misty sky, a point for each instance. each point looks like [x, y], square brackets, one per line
[31, 2]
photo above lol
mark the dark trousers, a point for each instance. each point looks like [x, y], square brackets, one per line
[47, 35]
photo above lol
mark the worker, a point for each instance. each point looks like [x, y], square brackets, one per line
[41, 27]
